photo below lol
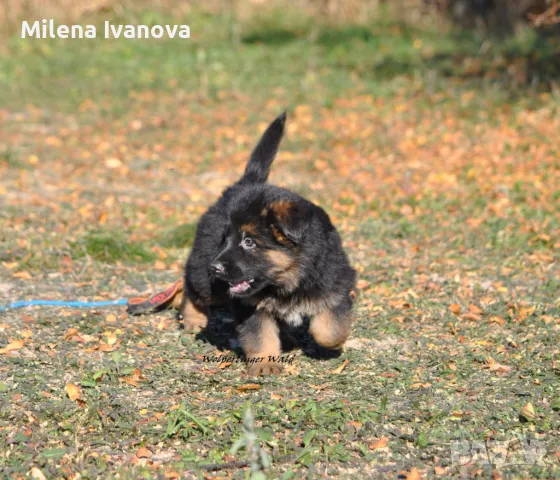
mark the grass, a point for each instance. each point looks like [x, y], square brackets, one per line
[110, 247]
[435, 155]
[372, 58]
[180, 236]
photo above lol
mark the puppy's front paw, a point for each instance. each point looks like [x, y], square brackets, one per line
[193, 319]
[267, 368]
[191, 327]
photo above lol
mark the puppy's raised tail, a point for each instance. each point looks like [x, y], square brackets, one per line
[258, 168]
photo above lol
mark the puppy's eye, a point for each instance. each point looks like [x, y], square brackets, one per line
[248, 243]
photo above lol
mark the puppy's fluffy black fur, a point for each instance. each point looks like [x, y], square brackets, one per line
[270, 256]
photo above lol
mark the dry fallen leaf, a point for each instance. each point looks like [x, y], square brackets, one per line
[248, 386]
[455, 308]
[528, 411]
[70, 333]
[23, 275]
[131, 381]
[497, 319]
[159, 265]
[361, 284]
[526, 312]
[474, 309]
[112, 162]
[339, 369]
[73, 391]
[414, 474]
[494, 366]
[418, 385]
[103, 347]
[143, 452]
[13, 345]
[37, 474]
[379, 443]
[172, 475]
[497, 475]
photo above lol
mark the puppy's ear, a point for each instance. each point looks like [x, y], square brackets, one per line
[288, 220]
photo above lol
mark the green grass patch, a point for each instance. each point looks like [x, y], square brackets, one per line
[307, 62]
[111, 247]
[178, 237]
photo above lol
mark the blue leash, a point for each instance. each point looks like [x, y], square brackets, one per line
[61, 303]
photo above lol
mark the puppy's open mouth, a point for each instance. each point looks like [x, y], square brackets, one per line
[240, 287]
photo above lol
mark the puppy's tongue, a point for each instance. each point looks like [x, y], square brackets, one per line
[240, 287]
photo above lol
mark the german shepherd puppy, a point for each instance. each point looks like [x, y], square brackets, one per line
[269, 256]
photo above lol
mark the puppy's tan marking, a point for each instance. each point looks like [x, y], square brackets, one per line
[290, 278]
[329, 331]
[264, 341]
[178, 301]
[260, 343]
[279, 235]
[281, 260]
[249, 228]
[194, 318]
[282, 209]
[285, 270]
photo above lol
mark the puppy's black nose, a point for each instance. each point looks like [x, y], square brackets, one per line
[217, 268]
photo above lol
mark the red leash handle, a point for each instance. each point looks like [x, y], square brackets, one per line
[157, 302]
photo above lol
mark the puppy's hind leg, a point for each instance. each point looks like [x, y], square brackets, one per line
[331, 328]
[195, 317]
[196, 295]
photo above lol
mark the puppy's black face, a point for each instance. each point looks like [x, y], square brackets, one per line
[262, 247]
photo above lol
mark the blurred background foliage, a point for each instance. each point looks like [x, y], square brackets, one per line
[499, 17]
[501, 43]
